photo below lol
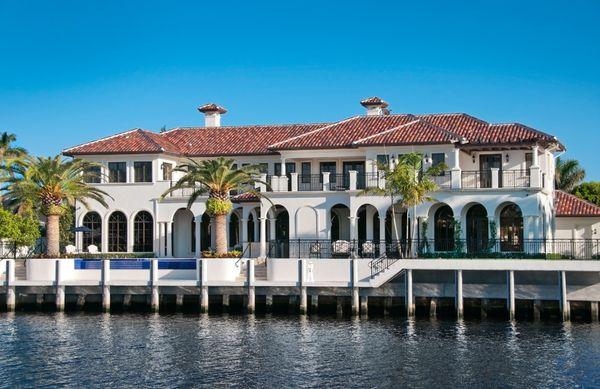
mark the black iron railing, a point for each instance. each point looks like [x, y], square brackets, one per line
[584, 249]
[515, 178]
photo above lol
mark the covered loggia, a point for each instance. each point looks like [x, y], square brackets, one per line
[368, 230]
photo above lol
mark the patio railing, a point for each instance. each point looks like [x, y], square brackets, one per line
[584, 249]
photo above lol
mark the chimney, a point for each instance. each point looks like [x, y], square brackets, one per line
[375, 106]
[212, 114]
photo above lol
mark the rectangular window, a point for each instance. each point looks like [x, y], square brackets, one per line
[143, 171]
[93, 175]
[117, 172]
[167, 171]
[263, 167]
[277, 168]
[234, 166]
[383, 159]
[305, 172]
[327, 167]
[437, 158]
[528, 163]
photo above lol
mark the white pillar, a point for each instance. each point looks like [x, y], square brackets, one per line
[106, 285]
[381, 233]
[510, 276]
[272, 228]
[283, 167]
[326, 181]
[410, 301]
[244, 234]
[251, 290]
[303, 291]
[294, 178]
[564, 302]
[263, 237]
[369, 212]
[11, 297]
[59, 287]
[455, 173]
[353, 176]
[495, 177]
[154, 296]
[169, 236]
[459, 294]
[353, 228]
[534, 156]
[198, 233]
[201, 267]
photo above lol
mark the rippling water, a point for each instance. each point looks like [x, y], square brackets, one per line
[281, 351]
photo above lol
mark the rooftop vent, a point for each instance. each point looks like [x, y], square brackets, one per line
[375, 106]
[212, 114]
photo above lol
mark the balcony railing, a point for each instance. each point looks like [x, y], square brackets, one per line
[476, 179]
[581, 249]
[443, 180]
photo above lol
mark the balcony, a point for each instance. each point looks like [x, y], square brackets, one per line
[495, 178]
[550, 249]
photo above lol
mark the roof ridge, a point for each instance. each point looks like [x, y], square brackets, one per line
[312, 132]
[101, 139]
[246, 125]
[457, 137]
[145, 134]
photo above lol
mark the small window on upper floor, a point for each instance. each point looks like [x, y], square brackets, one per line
[438, 158]
[117, 172]
[143, 171]
[528, 162]
[167, 171]
[305, 172]
[263, 167]
[93, 175]
[383, 159]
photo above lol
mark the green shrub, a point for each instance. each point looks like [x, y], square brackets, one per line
[110, 255]
[229, 254]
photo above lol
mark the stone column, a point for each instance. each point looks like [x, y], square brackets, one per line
[455, 173]
[382, 233]
[263, 237]
[326, 181]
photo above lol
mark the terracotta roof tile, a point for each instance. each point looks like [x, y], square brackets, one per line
[568, 205]
[130, 142]
[245, 198]
[415, 132]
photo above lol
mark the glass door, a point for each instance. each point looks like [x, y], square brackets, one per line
[359, 166]
[486, 163]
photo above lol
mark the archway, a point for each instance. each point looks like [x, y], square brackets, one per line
[340, 222]
[183, 234]
[234, 230]
[93, 221]
[279, 231]
[143, 232]
[117, 232]
[443, 229]
[511, 228]
[368, 230]
[205, 232]
[477, 229]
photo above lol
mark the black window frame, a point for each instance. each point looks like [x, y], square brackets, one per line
[97, 175]
[304, 174]
[142, 171]
[143, 232]
[121, 172]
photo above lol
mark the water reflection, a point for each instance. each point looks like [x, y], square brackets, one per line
[284, 351]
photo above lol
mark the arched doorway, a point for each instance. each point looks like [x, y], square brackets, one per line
[511, 228]
[183, 234]
[279, 237]
[234, 230]
[117, 232]
[93, 221]
[340, 222]
[443, 232]
[143, 232]
[368, 231]
[477, 229]
[205, 232]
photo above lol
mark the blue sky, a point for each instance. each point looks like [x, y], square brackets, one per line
[73, 71]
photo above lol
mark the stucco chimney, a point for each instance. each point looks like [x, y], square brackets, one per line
[212, 114]
[375, 106]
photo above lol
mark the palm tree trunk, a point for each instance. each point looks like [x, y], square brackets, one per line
[52, 236]
[221, 234]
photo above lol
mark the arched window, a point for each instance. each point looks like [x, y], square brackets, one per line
[444, 229]
[477, 229]
[250, 228]
[117, 232]
[511, 228]
[143, 233]
[93, 221]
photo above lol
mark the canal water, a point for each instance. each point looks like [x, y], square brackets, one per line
[85, 349]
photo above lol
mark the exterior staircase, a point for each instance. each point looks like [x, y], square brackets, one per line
[260, 271]
[384, 269]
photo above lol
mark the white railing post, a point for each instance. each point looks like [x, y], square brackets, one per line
[353, 174]
[154, 296]
[535, 177]
[326, 181]
[283, 183]
[11, 296]
[495, 177]
[261, 185]
[294, 178]
[456, 178]
[59, 287]
[106, 285]
[275, 184]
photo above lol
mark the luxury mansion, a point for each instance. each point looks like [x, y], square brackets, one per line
[496, 194]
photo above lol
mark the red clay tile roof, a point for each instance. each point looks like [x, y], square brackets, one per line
[568, 205]
[245, 198]
[353, 132]
[131, 142]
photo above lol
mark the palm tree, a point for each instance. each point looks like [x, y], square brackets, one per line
[568, 174]
[6, 148]
[407, 184]
[217, 178]
[49, 185]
